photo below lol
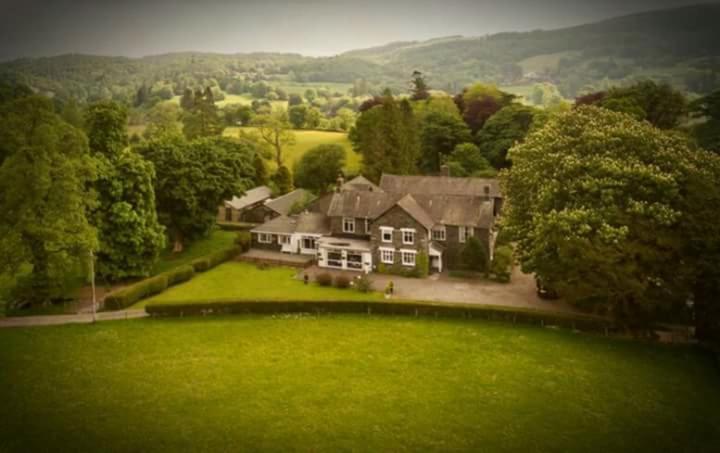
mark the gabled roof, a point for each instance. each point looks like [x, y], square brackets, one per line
[251, 197]
[363, 204]
[441, 185]
[458, 209]
[360, 183]
[409, 205]
[279, 225]
[307, 222]
[284, 203]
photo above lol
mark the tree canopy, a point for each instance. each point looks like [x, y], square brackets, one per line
[504, 129]
[319, 168]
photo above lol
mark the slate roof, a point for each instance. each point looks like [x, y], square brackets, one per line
[361, 204]
[282, 204]
[307, 222]
[458, 209]
[360, 183]
[445, 185]
[251, 197]
[409, 205]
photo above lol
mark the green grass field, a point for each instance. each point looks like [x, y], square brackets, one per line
[348, 383]
[243, 281]
[304, 140]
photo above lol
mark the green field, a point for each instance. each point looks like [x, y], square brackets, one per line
[304, 140]
[243, 281]
[348, 383]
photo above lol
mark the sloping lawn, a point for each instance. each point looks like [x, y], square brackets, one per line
[304, 140]
[348, 383]
[243, 281]
[217, 240]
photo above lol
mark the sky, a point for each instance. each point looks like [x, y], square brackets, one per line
[32, 28]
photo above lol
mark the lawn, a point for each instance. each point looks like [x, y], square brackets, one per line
[304, 140]
[218, 240]
[243, 281]
[348, 383]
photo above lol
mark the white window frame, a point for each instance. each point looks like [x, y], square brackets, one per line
[367, 225]
[283, 239]
[348, 221]
[391, 252]
[265, 238]
[410, 231]
[404, 253]
[305, 238]
[439, 233]
[384, 230]
[464, 233]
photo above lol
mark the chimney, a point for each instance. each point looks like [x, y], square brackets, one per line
[444, 170]
[486, 189]
[339, 183]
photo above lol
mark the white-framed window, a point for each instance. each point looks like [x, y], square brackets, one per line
[408, 257]
[348, 225]
[465, 233]
[386, 234]
[408, 235]
[264, 238]
[367, 226]
[387, 256]
[308, 242]
[439, 233]
[284, 239]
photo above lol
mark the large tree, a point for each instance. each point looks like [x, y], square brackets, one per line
[440, 132]
[319, 168]
[274, 131]
[479, 102]
[45, 180]
[506, 128]
[707, 132]
[386, 136]
[131, 238]
[597, 202]
[193, 178]
[202, 119]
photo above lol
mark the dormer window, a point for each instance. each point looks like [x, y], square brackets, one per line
[348, 225]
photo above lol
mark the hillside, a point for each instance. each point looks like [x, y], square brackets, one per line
[679, 46]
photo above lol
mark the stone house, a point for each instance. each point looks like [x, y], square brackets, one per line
[258, 206]
[362, 226]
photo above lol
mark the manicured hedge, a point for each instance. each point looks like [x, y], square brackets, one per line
[508, 314]
[123, 298]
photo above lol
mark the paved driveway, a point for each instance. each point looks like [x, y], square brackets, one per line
[520, 292]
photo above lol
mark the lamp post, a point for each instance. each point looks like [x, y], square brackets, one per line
[92, 285]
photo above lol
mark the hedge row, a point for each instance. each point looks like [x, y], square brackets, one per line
[125, 297]
[571, 321]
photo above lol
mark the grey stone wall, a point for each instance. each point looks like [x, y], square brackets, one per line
[397, 218]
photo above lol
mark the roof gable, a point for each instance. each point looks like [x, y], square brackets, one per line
[284, 203]
[251, 197]
[441, 185]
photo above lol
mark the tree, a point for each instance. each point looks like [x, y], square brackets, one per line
[129, 234]
[45, 180]
[584, 192]
[73, 114]
[386, 136]
[202, 119]
[473, 256]
[419, 87]
[163, 119]
[273, 130]
[296, 115]
[294, 99]
[187, 101]
[319, 168]
[504, 129]
[661, 105]
[310, 95]
[707, 132]
[479, 102]
[283, 180]
[193, 178]
[466, 160]
[440, 133]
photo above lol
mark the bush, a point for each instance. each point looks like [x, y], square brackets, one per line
[342, 282]
[474, 256]
[502, 262]
[363, 284]
[324, 279]
[179, 274]
[422, 265]
[243, 241]
[201, 264]
[127, 296]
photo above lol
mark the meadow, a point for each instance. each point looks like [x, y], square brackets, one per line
[348, 383]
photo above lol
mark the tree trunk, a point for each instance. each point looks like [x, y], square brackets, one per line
[278, 155]
[178, 243]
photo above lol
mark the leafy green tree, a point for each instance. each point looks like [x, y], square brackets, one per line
[473, 256]
[73, 114]
[479, 102]
[273, 131]
[310, 95]
[163, 119]
[440, 133]
[707, 132]
[128, 230]
[283, 180]
[45, 180]
[187, 101]
[319, 168]
[466, 160]
[294, 99]
[661, 105]
[585, 191]
[506, 128]
[296, 115]
[193, 178]
[203, 119]
[420, 89]
[386, 135]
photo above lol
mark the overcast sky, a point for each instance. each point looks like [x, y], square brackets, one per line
[309, 27]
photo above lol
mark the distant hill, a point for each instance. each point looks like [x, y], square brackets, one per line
[680, 46]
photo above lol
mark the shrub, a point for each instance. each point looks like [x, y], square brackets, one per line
[324, 279]
[381, 268]
[179, 274]
[222, 255]
[363, 284]
[342, 282]
[201, 264]
[243, 241]
[502, 263]
[474, 256]
[127, 296]
[422, 265]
